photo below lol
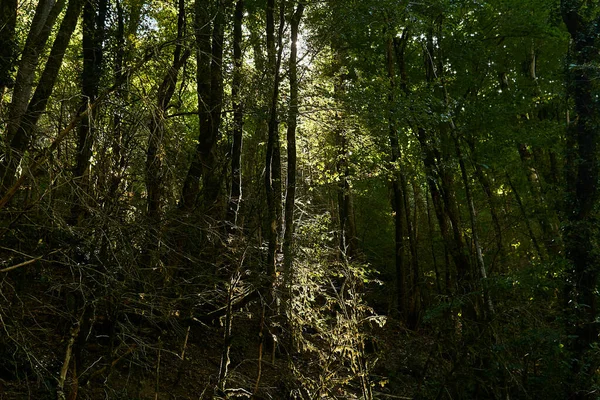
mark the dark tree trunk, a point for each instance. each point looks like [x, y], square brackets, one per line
[211, 179]
[273, 159]
[482, 273]
[45, 16]
[94, 16]
[238, 117]
[155, 150]
[402, 273]
[582, 232]
[347, 238]
[441, 186]
[154, 154]
[484, 181]
[414, 292]
[22, 138]
[125, 36]
[209, 78]
[438, 163]
[46, 13]
[290, 196]
[8, 23]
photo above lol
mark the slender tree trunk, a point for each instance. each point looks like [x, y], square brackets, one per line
[397, 195]
[235, 197]
[45, 16]
[441, 186]
[209, 54]
[126, 32]
[413, 239]
[46, 13]
[526, 218]
[438, 160]
[21, 140]
[438, 277]
[347, 241]
[484, 181]
[489, 306]
[290, 196]
[273, 159]
[409, 295]
[582, 232]
[154, 154]
[94, 16]
[155, 150]
[211, 180]
[8, 24]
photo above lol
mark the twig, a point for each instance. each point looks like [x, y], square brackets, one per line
[158, 369]
[112, 364]
[260, 350]
[187, 335]
[24, 263]
[392, 396]
[182, 358]
[60, 392]
[44, 155]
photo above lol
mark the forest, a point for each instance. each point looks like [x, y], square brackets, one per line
[299, 199]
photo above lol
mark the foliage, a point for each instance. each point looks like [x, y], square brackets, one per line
[441, 237]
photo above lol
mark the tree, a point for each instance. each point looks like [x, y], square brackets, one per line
[94, 17]
[209, 76]
[581, 232]
[283, 177]
[8, 22]
[235, 196]
[290, 194]
[25, 119]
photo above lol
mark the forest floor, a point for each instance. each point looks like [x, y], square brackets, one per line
[148, 364]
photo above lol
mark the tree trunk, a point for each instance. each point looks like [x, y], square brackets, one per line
[211, 180]
[487, 301]
[46, 13]
[415, 270]
[290, 196]
[154, 154]
[155, 150]
[94, 16]
[348, 242]
[397, 195]
[22, 138]
[582, 232]
[238, 117]
[484, 181]
[45, 16]
[273, 159]
[209, 78]
[441, 186]
[8, 24]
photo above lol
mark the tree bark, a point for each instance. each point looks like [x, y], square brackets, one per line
[94, 16]
[8, 24]
[235, 197]
[209, 78]
[43, 20]
[487, 300]
[154, 154]
[397, 195]
[273, 159]
[290, 196]
[45, 16]
[22, 138]
[484, 181]
[582, 232]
